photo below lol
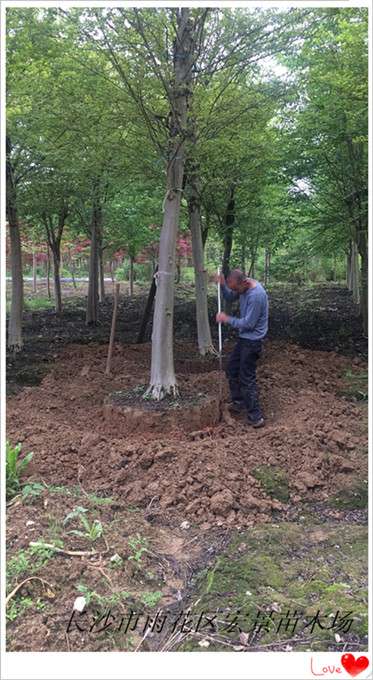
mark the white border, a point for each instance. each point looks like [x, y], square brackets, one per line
[183, 665]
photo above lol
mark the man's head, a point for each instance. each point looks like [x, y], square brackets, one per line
[237, 281]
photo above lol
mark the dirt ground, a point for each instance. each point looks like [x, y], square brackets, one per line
[176, 501]
[319, 317]
[311, 432]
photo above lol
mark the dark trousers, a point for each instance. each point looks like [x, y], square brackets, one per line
[241, 373]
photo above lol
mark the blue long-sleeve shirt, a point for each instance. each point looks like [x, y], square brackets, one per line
[253, 321]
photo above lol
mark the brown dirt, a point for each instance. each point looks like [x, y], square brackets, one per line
[165, 568]
[312, 433]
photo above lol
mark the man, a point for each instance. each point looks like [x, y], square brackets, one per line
[252, 326]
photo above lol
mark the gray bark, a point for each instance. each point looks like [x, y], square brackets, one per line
[48, 272]
[355, 278]
[130, 276]
[364, 300]
[349, 267]
[162, 375]
[101, 278]
[34, 272]
[267, 265]
[92, 298]
[57, 283]
[205, 345]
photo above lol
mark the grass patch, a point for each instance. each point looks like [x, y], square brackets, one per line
[274, 482]
[356, 386]
[355, 498]
[271, 571]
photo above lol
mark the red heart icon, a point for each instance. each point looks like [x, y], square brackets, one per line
[354, 666]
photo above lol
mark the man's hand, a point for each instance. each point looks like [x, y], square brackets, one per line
[219, 278]
[221, 317]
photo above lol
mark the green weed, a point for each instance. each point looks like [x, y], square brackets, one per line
[91, 531]
[14, 468]
[138, 545]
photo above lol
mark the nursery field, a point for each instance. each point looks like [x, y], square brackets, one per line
[182, 510]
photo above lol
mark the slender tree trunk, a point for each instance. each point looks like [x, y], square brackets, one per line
[72, 269]
[205, 230]
[112, 271]
[178, 272]
[148, 309]
[162, 375]
[34, 272]
[349, 268]
[228, 242]
[101, 274]
[15, 341]
[92, 298]
[364, 300]
[267, 266]
[101, 280]
[54, 235]
[130, 276]
[355, 274]
[203, 326]
[334, 270]
[228, 232]
[48, 272]
[57, 281]
[243, 257]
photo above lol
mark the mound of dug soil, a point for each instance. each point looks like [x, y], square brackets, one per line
[313, 445]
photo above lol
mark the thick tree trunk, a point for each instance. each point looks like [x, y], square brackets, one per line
[148, 309]
[130, 277]
[203, 326]
[162, 375]
[92, 298]
[15, 341]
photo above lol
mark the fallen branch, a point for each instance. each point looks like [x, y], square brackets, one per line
[72, 553]
[19, 586]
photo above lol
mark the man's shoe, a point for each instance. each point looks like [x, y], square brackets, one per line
[236, 406]
[257, 423]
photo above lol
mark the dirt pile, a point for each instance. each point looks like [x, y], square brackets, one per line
[312, 445]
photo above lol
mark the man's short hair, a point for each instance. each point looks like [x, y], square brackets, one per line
[237, 275]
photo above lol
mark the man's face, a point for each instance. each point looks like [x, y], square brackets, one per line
[234, 285]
